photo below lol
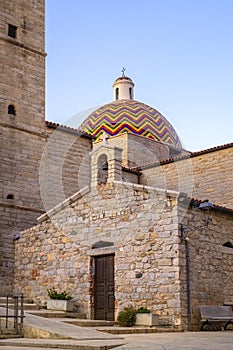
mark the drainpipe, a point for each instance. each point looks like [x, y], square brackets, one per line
[187, 263]
[188, 283]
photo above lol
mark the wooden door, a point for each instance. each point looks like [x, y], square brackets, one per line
[104, 287]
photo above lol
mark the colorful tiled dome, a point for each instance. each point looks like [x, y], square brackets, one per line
[130, 116]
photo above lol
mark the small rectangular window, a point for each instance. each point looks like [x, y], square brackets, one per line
[12, 30]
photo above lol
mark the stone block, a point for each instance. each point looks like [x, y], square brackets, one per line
[147, 319]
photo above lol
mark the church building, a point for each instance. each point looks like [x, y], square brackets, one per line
[115, 212]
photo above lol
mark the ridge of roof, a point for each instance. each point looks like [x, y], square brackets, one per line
[131, 170]
[194, 202]
[186, 156]
[67, 128]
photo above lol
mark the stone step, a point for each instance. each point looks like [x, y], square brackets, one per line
[10, 336]
[60, 344]
[56, 314]
[25, 306]
[10, 300]
[138, 330]
[8, 333]
[90, 323]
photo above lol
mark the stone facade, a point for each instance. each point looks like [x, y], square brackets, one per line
[145, 237]
[149, 230]
[144, 228]
[92, 198]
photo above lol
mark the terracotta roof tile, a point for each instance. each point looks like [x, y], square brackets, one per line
[186, 156]
[194, 202]
[66, 128]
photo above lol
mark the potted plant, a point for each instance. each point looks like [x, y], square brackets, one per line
[145, 318]
[127, 317]
[59, 301]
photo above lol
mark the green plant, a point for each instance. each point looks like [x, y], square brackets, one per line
[127, 317]
[143, 310]
[53, 294]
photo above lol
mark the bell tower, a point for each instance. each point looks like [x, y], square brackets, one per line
[123, 87]
[22, 123]
[22, 59]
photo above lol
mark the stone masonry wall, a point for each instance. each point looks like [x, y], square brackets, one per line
[20, 202]
[143, 225]
[140, 222]
[64, 167]
[34, 191]
[22, 134]
[22, 62]
[138, 150]
[142, 150]
[205, 176]
[211, 274]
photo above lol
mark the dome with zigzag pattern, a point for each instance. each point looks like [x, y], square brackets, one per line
[130, 116]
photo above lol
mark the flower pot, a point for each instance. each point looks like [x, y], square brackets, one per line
[60, 305]
[147, 319]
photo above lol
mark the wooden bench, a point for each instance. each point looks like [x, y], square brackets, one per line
[213, 313]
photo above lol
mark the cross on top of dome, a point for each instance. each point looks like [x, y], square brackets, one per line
[123, 71]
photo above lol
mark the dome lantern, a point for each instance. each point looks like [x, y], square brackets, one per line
[123, 88]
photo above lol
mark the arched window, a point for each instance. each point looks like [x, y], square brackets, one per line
[228, 245]
[11, 110]
[117, 93]
[10, 196]
[102, 169]
[130, 93]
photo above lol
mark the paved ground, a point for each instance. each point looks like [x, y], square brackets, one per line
[88, 338]
[179, 341]
[158, 341]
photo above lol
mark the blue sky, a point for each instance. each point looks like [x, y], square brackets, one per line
[179, 53]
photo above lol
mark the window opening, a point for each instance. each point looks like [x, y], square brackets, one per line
[11, 110]
[130, 93]
[228, 245]
[102, 169]
[12, 30]
[10, 196]
[117, 93]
